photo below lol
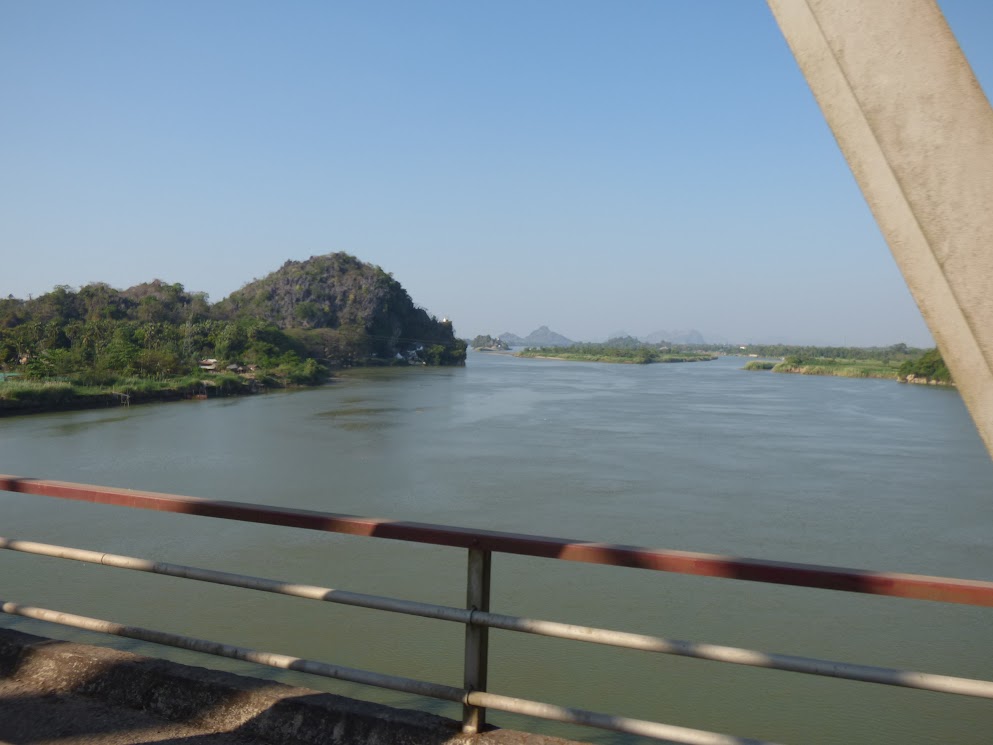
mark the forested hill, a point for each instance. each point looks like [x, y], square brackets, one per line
[327, 311]
[337, 301]
[323, 292]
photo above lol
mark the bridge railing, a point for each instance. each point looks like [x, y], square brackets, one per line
[477, 616]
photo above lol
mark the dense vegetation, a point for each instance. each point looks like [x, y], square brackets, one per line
[760, 365]
[623, 349]
[894, 353]
[929, 367]
[841, 367]
[487, 342]
[896, 362]
[158, 340]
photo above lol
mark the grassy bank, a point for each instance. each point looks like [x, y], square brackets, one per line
[641, 355]
[926, 369]
[760, 365]
[841, 368]
[622, 360]
[21, 396]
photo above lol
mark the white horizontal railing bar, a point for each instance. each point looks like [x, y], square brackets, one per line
[309, 592]
[379, 680]
[604, 721]
[555, 629]
[748, 657]
[271, 659]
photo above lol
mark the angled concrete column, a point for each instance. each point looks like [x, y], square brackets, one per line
[917, 132]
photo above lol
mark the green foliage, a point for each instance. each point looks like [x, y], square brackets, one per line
[157, 363]
[838, 367]
[226, 383]
[759, 365]
[644, 355]
[894, 353]
[289, 328]
[897, 361]
[432, 355]
[452, 353]
[307, 372]
[616, 350]
[49, 392]
[929, 366]
[485, 341]
[92, 379]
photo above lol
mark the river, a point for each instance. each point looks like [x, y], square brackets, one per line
[699, 457]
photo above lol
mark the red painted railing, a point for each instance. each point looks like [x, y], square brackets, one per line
[915, 586]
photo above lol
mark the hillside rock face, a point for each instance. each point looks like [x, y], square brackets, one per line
[359, 302]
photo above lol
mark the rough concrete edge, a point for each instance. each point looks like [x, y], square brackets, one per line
[264, 710]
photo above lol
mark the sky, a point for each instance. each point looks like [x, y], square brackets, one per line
[590, 165]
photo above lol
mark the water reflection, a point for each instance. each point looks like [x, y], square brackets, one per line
[76, 427]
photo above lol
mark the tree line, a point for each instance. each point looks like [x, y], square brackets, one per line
[156, 330]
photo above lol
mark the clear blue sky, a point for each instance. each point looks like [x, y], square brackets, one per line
[593, 166]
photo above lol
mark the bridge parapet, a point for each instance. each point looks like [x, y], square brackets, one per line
[478, 618]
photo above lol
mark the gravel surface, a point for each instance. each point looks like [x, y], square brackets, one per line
[29, 716]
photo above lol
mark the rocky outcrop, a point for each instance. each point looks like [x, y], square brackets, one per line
[923, 380]
[360, 301]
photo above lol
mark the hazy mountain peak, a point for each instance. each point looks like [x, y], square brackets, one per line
[687, 336]
[540, 337]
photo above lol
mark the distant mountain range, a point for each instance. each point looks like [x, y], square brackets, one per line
[545, 337]
[540, 337]
[689, 336]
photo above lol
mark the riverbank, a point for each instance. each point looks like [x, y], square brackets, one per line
[843, 368]
[20, 397]
[617, 359]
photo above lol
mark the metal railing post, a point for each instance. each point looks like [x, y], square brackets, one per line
[476, 637]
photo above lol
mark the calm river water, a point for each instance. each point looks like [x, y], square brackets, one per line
[702, 457]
